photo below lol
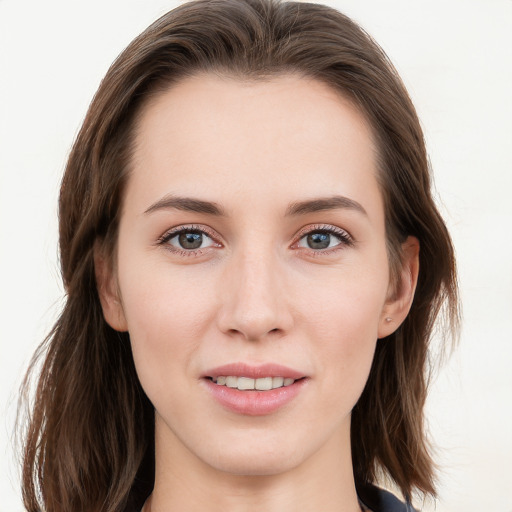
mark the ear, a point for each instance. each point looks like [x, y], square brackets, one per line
[401, 294]
[108, 290]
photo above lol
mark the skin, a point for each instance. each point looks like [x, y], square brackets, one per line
[255, 292]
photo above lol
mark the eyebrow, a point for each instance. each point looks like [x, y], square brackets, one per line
[324, 203]
[186, 204]
[189, 204]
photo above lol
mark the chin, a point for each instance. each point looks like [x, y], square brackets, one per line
[256, 453]
[254, 464]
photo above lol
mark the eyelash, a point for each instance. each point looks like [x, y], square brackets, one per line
[169, 235]
[346, 240]
[344, 237]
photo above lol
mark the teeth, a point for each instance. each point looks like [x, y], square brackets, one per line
[263, 384]
[277, 382]
[232, 382]
[246, 383]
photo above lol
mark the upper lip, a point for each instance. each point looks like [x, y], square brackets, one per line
[254, 371]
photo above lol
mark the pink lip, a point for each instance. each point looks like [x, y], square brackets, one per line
[254, 372]
[253, 402]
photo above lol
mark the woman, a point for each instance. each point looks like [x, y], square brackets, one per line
[253, 264]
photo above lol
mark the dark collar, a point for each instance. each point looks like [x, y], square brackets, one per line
[379, 500]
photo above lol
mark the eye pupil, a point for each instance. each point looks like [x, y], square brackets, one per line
[319, 240]
[190, 240]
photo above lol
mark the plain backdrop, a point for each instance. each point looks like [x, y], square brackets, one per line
[455, 57]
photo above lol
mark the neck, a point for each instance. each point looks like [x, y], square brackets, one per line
[324, 481]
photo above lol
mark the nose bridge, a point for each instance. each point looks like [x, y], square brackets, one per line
[253, 305]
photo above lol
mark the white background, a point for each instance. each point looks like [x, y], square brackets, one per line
[455, 57]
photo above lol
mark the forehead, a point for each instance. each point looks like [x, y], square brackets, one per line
[209, 135]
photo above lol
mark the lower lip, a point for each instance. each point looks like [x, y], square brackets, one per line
[252, 402]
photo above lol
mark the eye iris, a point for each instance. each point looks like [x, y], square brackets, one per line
[319, 240]
[190, 240]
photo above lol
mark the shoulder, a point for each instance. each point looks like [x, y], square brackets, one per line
[379, 500]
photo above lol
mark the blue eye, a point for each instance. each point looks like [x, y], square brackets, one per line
[322, 239]
[189, 239]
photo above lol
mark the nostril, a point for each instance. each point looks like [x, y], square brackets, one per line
[252, 336]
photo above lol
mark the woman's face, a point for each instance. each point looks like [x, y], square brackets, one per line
[252, 253]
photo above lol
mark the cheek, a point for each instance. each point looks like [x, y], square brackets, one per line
[342, 322]
[165, 314]
[347, 303]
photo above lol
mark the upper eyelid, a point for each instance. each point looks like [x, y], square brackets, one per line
[171, 232]
[323, 227]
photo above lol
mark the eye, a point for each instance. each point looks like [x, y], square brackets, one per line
[320, 239]
[190, 240]
[187, 239]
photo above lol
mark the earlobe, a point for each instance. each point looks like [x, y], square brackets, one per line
[398, 305]
[108, 292]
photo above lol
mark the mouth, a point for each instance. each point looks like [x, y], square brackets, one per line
[254, 390]
[250, 384]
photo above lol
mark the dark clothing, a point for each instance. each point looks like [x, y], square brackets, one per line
[379, 500]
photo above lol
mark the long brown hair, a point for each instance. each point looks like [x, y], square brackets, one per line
[89, 437]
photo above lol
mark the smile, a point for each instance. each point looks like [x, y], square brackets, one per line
[247, 383]
[254, 390]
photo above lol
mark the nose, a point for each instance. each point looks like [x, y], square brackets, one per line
[254, 304]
